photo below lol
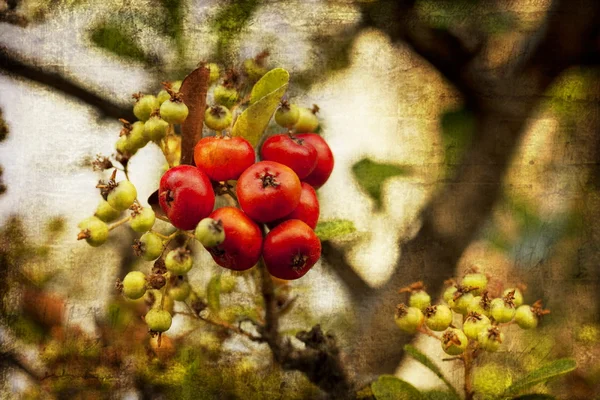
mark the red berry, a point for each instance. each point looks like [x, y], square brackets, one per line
[186, 196]
[243, 240]
[307, 210]
[268, 190]
[322, 171]
[292, 151]
[224, 159]
[291, 249]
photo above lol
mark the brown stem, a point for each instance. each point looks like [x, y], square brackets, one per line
[468, 365]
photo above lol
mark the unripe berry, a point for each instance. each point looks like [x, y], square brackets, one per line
[481, 305]
[253, 69]
[419, 299]
[179, 261]
[217, 117]
[158, 320]
[214, 73]
[123, 146]
[502, 311]
[94, 231]
[122, 196]
[438, 318]
[149, 247]
[144, 106]
[136, 138]
[454, 342]
[478, 281]
[134, 285]
[448, 295]
[518, 296]
[210, 232]
[105, 212]
[176, 85]
[156, 300]
[287, 115]
[155, 128]
[163, 96]
[307, 121]
[474, 324]
[180, 290]
[490, 339]
[173, 111]
[142, 220]
[525, 317]
[225, 96]
[461, 304]
[409, 319]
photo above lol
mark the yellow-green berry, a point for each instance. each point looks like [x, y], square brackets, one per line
[525, 317]
[419, 299]
[179, 261]
[180, 290]
[94, 231]
[174, 111]
[474, 324]
[490, 339]
[210, 232]
[502, 311]
[105, 212]
[122, 196]
[158, 320]
[253, 69]
[517, 294]
[478, 281]
[409, 319]
[142, 219]
[454, 342]
[307, 121]
[287, 115]
[214, 72]
[438, 318]
[225, 96]
[155, 128]
[461, 304]
[149, 246]
[134, 285]
[144, 106]
[218, 117]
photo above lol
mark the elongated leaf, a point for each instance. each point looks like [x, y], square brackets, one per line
[548, 371]
[423, 359]
[213, 293]
[388, 387]
[266, 95]
[193, 88]
[112, 37]
[335, 228]
[535, 396]
[371, 175]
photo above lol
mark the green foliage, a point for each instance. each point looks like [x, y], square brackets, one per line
[371, 176]
[213, 293]
[534, 396]
[423, 359]
[543, 374]
[229, 22]
[266, 95]
[112, 37]
[388, 387]
[457, 128]
[335, 228]
[439, 395]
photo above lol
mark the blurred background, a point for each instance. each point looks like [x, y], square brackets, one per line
[465, 133]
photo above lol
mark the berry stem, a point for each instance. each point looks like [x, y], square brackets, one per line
[119, 223]
[467, 357]
[221, 324]
[424, 330]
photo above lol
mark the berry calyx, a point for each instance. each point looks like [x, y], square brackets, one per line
[155, 128]
[134, 285]
[481, 304]
[142, 218]
[122, 195]
[174, 110]
[158, 320]
[218, 118]
[474, 324]
[105, 212]
[149, 246]
[454, 342]
[409, 319]
[291, 151]
[223, 158]
[490, 339]
[517, 296]
[225, 96]
[94, 231]
[210, 232]
[179, 261]
[325, 161]
[144, 106]
[307, 120]
[477, 281]
[287, 115]
[438, 318]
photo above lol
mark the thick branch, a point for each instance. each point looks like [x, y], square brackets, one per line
[13, 65]
[336, 262]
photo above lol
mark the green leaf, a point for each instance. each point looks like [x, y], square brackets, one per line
[423, 359]
[213, 293]
[229, 22]
[112, 37]
[388, 387]
[266, 95]
[535, 396]
[327, 230]
[440, 395]
[548, 371]
[371, 175]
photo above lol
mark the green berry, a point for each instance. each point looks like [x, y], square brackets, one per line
[163, 96]
[142, 220]
[218, 118]
[478, 281]
[419, 299]
[481, 305]
[155, 128]
[518, 296]
[181, 290]
[176, 85]
[490, 339]
[144, 106]
[122, 196]
[225, 96]
[214, 72]
[105, 212]
[287, 115]
[210, 232]
[179, 261]
[525, 317]
[136, 138]
[448, 295]
[438, 318]
[158, 320]
[173, 111]
[307, 121]
[134, 285]
[491, 380]
[227, 282]
[502, 311]
[155, 298]
[253, 69]
[149, 246]
[462, 303]
[474, 324]
[454, 342]
[94, 231]
[409, 319]
[124, 146]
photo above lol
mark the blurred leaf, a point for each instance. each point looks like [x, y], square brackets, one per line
[327, 230]
[371, 175]
[153, 202]
[458, 127]
[173, 10]
[112, 37]
[388, 387]
[229, 22]
[535, 396]
[439, 395]
[423, 359]
[213, 293]
[193, 88]
[3, 128]
[56, 225]
[548, 371]
[254, 120]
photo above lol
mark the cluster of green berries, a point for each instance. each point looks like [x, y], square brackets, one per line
[468, 316]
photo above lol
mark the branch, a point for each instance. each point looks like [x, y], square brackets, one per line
[336, 261]
[11, 63]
